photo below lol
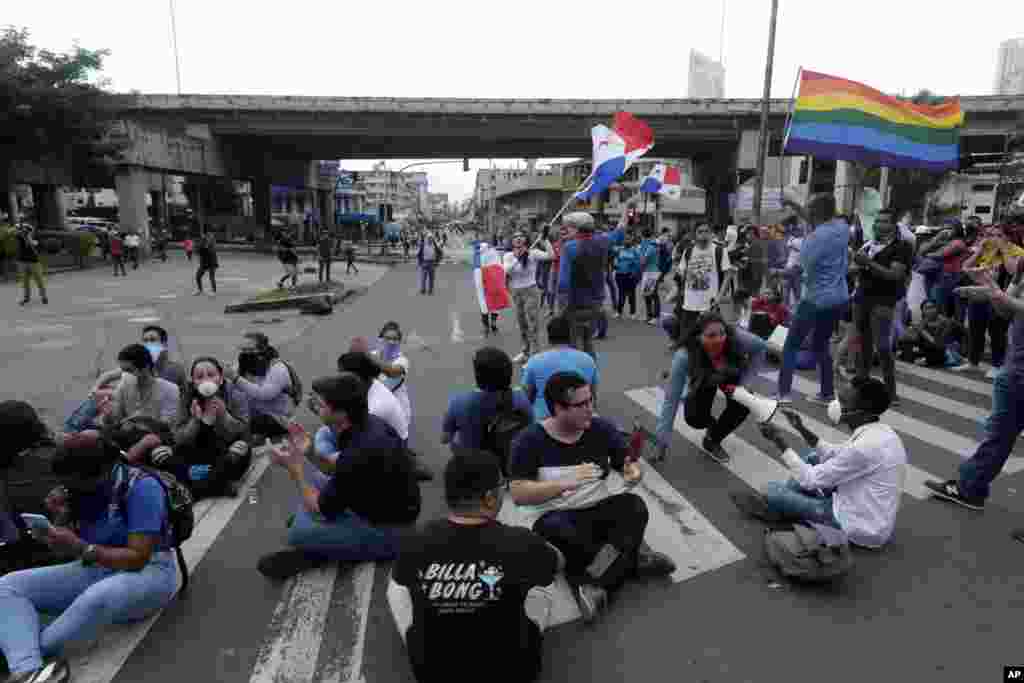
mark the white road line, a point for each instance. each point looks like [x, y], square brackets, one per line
[947, 378]
[930, 434]
[457, 334]
[101, 662]
[362, 587]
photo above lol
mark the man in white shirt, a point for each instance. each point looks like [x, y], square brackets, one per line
[855, 486]
[700, 276]
[521, 270]
[382, 402]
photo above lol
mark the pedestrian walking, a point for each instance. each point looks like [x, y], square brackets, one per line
[350, 258]
[132, 242]
[208, 263]
[29, 263]
[188, 248]
[289, 259]
[325, 256]
[117, 253]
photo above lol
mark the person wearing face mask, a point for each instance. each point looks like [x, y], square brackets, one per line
[211, 438]
[266, 382]
[521, 270]
[140, 392]
[113, 521]
[856, 486]
[394, 365]
[154, 338]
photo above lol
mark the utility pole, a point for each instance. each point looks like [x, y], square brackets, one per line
[174, 37]
[762, 142]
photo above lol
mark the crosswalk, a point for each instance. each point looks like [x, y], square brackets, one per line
[294, 649]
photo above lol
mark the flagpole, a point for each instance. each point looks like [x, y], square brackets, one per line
[792, 108]
[572, 196]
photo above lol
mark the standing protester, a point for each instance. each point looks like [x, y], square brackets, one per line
[117, 252]
[521, 271]
[581, 277]
[824, 260]
[700, 279]
[884, 263]
[132, 242]
[289, 259]
[31, 266]
[950, 247]
[208, 263]
[628, 267]
[427, 257]
[981, 317]
[350, 258]
[188, 244]
[1004, 425]
[650, 278]
[325, 253]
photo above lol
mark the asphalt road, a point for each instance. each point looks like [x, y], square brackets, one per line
[938, 604]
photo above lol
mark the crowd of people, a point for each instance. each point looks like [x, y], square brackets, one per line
[539, 448]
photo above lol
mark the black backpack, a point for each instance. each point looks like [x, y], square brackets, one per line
[294, 389]
[502, 429]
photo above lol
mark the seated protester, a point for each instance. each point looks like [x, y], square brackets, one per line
[561, 357]
[267, 385]
[154, 338]
[468, 582]
[394, 365]
[465, 422]
[141, 392]
[717, 360]
[558, 470]
[123, 569]
[350, 515]
[211, 438]
[770, 302]
[856, 486]
[934, 341]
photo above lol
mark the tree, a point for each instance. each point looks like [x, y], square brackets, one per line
[54, 108]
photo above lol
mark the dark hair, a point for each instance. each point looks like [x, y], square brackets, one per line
[137, 355]
[559, 386]
[469, 475]
[345, 392]
[493, 369]
[362, 364]
[559, 330]
[699, 361]
[924, 303]
[821, 207]
[22, 428]
[391, 325]
[159, 330]
[872, 395]
[263, 342]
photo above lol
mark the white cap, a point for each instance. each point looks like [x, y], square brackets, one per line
[579, 219]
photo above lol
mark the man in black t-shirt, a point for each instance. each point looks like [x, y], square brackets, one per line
[558, 469]
[289, 259]
[468, 585]
[885, 264]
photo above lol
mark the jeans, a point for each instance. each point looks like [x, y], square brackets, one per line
[582, 322]
[1001, 430]
[898, 329]
[324, 270]
[872, 322]
[792, 286]
[348, 537]
[809, 319]
[609, 279]
[652, 301]
[119, 265]
[619, 521]
[942, 292]
[795, 504]
[983, 319]
[87, 599]
[350, 265]
[427, 276]
[626, 283]
[212, 272]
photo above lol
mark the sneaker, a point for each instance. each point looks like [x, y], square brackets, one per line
[213, 294]
[818, 398]
[592, 600]
[650, 321]
[921, 361]
[45, 301]
[285, 564]
[991, 374]
[753, 503]
[964, 367]
[521, 358]
[651, 564]
[53, 671]
[950, 490]
[616, 315]
[198, 292]
[714, 450]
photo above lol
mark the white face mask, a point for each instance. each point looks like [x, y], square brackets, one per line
[835, 411]
[207, 389]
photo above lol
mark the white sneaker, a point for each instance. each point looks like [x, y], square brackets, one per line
[616, 315]
[991, 374]
[197, 293]
[921, 361]
[964, 366]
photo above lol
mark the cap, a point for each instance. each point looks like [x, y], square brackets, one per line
[469, 475]
[581, 220]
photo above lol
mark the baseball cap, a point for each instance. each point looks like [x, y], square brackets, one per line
[469, 475]
[581, 220]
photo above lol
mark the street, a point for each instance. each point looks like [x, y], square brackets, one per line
[937, 604]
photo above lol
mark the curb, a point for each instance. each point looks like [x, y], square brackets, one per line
[298, 301]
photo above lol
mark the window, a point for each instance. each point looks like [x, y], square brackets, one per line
[982, 209]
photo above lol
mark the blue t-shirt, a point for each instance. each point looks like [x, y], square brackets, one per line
[561, 359]
[468, 414]
[824, 257]
[629, 260]
[106, 521]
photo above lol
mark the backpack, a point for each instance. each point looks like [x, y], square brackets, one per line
[502, 429]
[294, 389]
[804, 554]
[180, 516]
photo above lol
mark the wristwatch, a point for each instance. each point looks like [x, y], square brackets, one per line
[89, 555]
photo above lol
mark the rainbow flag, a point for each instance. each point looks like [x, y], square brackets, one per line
[839, 119]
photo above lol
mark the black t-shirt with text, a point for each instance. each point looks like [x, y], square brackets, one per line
[468, 584]
[881, 290]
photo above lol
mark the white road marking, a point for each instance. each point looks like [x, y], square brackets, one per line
[148, 319]
[947, 378]
[457, 334]
[362, 586]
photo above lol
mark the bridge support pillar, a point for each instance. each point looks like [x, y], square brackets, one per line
[132, 184]
[50, 209]
[848, 177]
[11, 197]
[261, 204]
[327, 209]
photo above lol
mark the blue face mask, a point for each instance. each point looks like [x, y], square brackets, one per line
[154, 350]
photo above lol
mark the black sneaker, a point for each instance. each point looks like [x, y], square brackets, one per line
[53, 671]
[754, 504]
[714, 450]
[653, 564]
[950, 490]
[285, 564]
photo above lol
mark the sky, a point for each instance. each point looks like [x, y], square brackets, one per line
[527, 49]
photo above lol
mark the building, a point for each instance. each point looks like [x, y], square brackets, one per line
[707, 77]
[404, 195]
[1010, 68]
[438, 203]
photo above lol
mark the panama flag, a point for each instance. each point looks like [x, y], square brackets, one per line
[615, 150]
[664, 179]
[489, 278]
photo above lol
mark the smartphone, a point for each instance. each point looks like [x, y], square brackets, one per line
[36, 522]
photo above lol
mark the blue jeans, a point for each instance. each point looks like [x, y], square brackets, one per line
[1001, 430]
[87, 599]
[808, 319]
[795, 504]
[83, 418]
[427, 276]
[348, 537]
[942, 292]
[675, 387]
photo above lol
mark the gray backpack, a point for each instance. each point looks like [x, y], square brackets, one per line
[806, 554]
